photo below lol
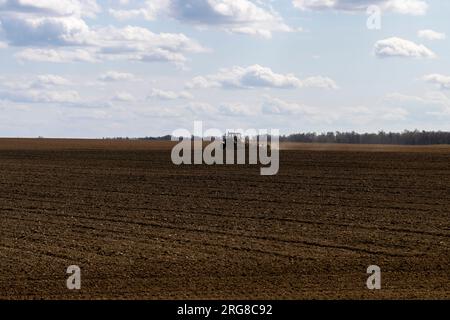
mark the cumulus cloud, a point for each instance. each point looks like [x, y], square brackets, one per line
[149, 10]
[48, 81]
[319, 82]
[235, 16]
[39, 89]
[115, 76]
[429, 34]
[88, 8]
[55, 31]
[169, 95]
[411, 7]
[44, 81]
[56, 55]
[442, 81]
[398, 47]
[123, 97]
[49, 22]
[128, 43]
[256, 76]
[140, 44]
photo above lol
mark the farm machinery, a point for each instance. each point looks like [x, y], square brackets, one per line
[235, 140]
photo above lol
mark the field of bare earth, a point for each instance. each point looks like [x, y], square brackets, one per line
[141, 227]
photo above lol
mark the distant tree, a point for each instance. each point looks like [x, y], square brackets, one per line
[406, 137]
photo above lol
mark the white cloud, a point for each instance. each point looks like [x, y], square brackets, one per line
[411, 7]
[207, 110]
[363, 115]
[236, 109]
[123, 97]
[438, 79]
[47, 22]
[256, 76]
[149, 10]
[88, 8]
[429, 34]
[136, 43]
[41, 89]
[319, 82]
[402, 98]
[58, 31]
[56, 55]
[200, 108]
[398, 47]
[277, 106]
[169, 95]
[41, 96]
[123, 2]
[51, 80]
[129, 43]
[3, 45]
[235, 16]
[51, 28]
[115, 76]
[44, 81]
[432, 103]
[319, 4]
[299, 111]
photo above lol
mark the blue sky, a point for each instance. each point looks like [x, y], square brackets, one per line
[86, 68]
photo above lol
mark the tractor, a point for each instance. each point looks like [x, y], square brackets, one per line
[233, 138]
[237, 141]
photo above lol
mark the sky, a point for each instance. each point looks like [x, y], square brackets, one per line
[116, 68]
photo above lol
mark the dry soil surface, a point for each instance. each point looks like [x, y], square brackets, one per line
[140, 227]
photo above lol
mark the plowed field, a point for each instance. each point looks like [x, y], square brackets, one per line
[140, 227]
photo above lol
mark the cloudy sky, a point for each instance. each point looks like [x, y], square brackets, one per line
[87, 68]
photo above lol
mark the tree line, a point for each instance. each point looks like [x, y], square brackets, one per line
[406, 137]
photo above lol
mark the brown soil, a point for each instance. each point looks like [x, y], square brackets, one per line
[142, 228]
